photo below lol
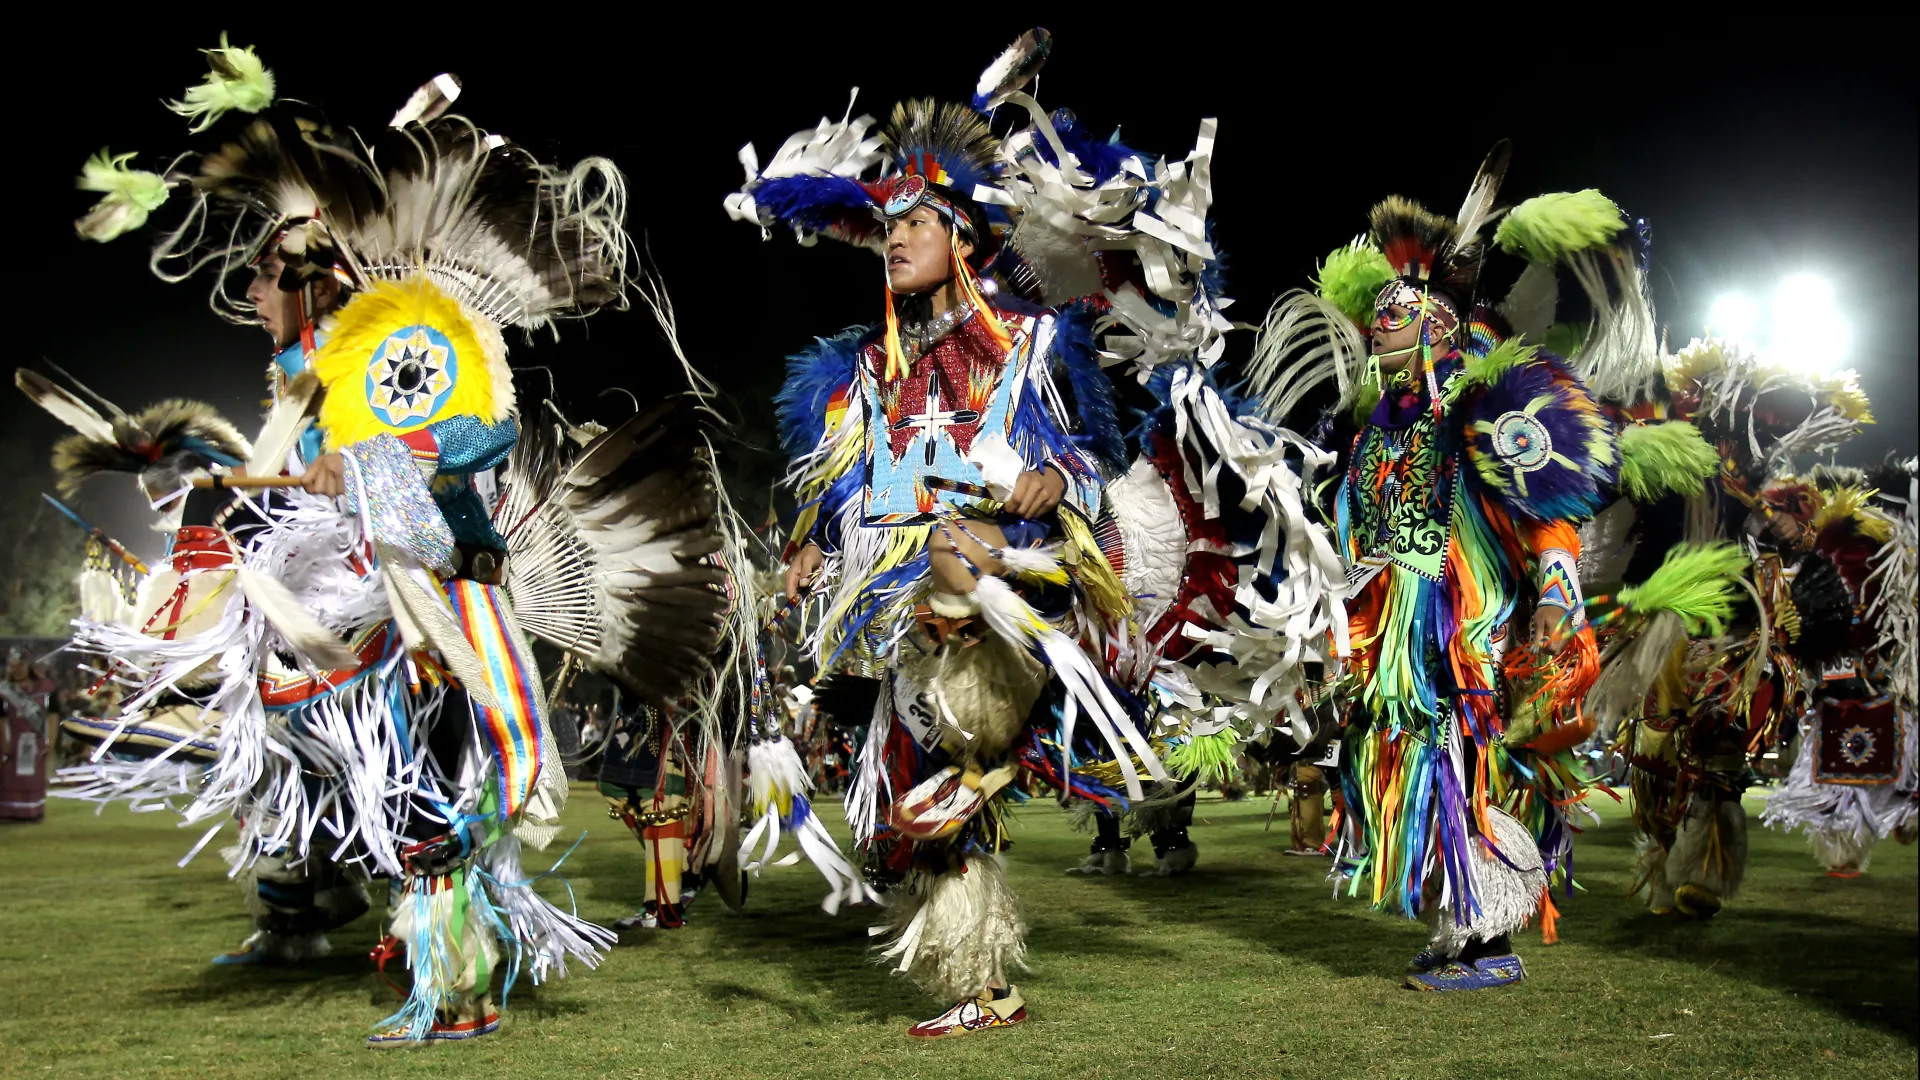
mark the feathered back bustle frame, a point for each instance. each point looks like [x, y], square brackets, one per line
[1774, 413]
[518, 241]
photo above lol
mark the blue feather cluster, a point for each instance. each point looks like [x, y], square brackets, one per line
[1101, 157]
[823, 204]
[813, 375]
[1079, 357]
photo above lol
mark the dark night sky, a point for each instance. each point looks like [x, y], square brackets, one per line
[1749, 166]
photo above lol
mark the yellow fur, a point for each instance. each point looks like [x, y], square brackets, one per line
[1095, 575]
[1851, 502]
[482, 388]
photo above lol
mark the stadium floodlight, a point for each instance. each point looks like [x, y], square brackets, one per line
[1806, 330]
[1734, 317]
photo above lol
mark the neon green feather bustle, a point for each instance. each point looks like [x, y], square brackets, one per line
[127, 196]
[1697, 582]
[1352, 277]
[239, 79]
[1486, 370]
[1562, 339]
[1665, 459]
[1211, 759]
[1548, 228]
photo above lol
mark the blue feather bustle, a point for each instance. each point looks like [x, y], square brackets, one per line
[831, 205]
[1078, 356]
[813, 374]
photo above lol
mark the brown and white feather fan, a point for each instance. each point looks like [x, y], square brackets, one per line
[609, 543]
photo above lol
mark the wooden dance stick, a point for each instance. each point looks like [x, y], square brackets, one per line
[247, 481]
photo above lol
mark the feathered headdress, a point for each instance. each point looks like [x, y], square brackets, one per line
[516, 241]
[1081, 216]
[835, 180]
[1313, 336]
[1428, 250]
[1772, 412]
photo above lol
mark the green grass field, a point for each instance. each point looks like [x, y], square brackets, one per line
[1244, 968]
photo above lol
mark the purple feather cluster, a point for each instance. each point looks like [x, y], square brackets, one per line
[1539, 483]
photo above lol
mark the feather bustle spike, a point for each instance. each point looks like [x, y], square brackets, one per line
[1013, 69]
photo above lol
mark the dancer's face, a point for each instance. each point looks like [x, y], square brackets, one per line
[278, 309]
[919, 252]
[1396, 347]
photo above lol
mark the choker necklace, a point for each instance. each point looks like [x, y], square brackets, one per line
[917, 338]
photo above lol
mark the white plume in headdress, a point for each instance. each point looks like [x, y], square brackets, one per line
[427, 103]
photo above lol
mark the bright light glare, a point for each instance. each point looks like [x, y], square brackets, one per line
[1734, 317]
[1807, 332]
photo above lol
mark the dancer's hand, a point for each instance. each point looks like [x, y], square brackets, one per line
[1787, 531]
[801, 571]
[1036, 492]
[326, 476]
[1551, 627]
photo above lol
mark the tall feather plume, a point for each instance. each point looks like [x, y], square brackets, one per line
[924, 131]
[63, 405]
[1013, 69]
[168, 439]
[1478, 210]
[427, 103]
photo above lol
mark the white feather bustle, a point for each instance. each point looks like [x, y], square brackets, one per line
[1153, 536]
[957, 933]
[1507, 887]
